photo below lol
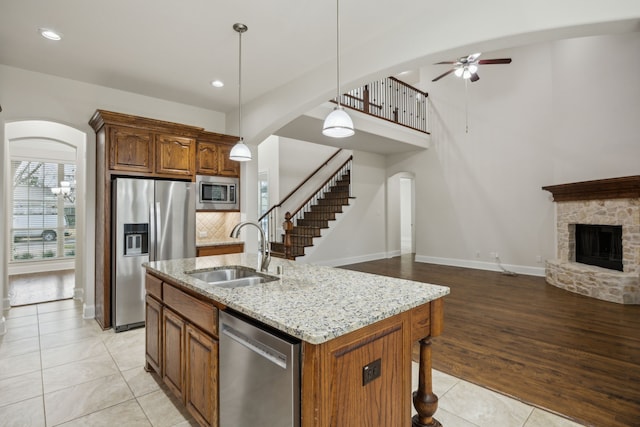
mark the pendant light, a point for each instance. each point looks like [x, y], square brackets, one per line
[338, 124]
[240, 152]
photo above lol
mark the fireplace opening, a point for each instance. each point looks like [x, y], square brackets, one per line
[599, 245]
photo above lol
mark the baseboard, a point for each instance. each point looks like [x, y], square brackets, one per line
[394, 254]
[481, 265]
[88, 311]
[352, 260]
[78, 294]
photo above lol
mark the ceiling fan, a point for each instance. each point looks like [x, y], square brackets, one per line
[467, 66]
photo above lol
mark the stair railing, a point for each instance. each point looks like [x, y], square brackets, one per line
[393, 100]
[271, 222]
[292, 218]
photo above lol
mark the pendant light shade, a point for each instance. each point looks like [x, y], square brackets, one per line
[338, 124]
[240, 152]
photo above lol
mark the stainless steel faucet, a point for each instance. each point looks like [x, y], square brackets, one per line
[264, 245]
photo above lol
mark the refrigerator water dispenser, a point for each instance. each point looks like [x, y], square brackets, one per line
[136, 239]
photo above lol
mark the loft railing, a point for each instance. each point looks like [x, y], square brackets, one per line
[393, 100]
[272, 220]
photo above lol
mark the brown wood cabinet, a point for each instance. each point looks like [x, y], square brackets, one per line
[135, 146]
[153, 323]
[173, 338]
[201, 374]
[212, 155]
[184, 330]
[361, 378]
[235, 248]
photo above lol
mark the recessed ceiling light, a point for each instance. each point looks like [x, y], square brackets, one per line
[50, 34]
[217, 83]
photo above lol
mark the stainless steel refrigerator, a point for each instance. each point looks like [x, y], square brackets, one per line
[154, 221]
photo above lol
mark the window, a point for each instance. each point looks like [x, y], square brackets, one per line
[43, 214]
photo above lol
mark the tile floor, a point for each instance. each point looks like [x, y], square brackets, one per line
[59, 369]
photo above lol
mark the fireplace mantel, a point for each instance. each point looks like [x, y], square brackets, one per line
[600, 189]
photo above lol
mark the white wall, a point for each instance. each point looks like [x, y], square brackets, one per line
[359, 233]
[269, 162]
[297, 160]
[26, 95]
[530, 123]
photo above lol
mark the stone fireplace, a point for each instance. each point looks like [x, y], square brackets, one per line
[607, 202]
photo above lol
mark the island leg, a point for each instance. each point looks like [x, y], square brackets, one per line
[424, 400]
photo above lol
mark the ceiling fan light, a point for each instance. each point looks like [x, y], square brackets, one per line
[338, 124]
[458, 72]
[473, 68]
[466, 74]
[240, 152]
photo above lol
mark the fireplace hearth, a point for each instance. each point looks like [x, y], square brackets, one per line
[598, 238]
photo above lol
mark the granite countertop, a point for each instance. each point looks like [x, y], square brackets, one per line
[313, 303]
[219, 241]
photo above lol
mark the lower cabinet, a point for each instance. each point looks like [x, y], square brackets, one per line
[173, 327]
[201, 376]
[182, 352]
[153, 325]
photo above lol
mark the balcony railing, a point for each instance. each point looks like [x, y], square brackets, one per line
[393, 100]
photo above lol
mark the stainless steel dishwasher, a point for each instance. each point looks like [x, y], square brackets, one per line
[259, 375]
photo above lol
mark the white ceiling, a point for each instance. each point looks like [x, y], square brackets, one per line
[171, 49]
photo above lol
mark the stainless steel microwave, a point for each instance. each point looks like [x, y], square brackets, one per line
[217, 193]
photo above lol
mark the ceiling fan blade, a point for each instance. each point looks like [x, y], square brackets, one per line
[446, 62]
[474, 77]
[495, 61]
[443, 75]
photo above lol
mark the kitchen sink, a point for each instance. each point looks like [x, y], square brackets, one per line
[232, 277]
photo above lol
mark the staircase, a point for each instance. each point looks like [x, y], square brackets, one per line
[294, 223]
[309, 225]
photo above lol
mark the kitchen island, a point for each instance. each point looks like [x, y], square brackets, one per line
[346, 321]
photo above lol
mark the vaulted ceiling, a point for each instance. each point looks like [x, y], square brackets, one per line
[172, 50]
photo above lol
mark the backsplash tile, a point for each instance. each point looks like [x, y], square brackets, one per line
[216, 225]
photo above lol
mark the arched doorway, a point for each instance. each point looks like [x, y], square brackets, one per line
[44, 187]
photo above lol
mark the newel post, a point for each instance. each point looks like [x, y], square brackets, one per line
[425, 400]
[287, 225]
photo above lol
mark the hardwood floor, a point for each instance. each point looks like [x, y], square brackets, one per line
[35, 288]
[560, 351]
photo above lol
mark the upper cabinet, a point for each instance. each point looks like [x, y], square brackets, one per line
[175, 155]
[134, 145]
[212, 155]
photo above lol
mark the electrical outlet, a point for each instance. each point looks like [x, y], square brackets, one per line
[371, 371]
[202, 234]
[477, 254]
[496, 256]
[538, 259]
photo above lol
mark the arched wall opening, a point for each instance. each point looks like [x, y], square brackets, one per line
[49, 141]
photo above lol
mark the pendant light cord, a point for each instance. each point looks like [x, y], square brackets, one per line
[338, 51]
[240, 31]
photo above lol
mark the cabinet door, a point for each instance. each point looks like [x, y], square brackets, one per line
[173, 330]
[377, 401]
[207, 158]
[227, 167]
[175, 155]
[153, 324]
[201, 374]
[130, 149]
